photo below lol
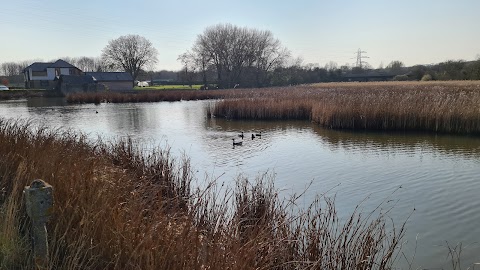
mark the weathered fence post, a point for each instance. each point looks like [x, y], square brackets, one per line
[39, 204]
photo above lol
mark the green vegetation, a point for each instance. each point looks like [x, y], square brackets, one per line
[170, 87]
[426, 78]
[116, 207]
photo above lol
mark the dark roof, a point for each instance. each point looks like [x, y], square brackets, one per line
[41, 66]
[38, 66]
[110, 76]
[76, 79]
[62, 64]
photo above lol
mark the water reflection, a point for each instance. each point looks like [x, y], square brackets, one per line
[134, 119]
[438, 173]
[41, 102]
[384, 142]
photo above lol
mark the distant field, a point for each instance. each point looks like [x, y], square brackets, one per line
[170, 87]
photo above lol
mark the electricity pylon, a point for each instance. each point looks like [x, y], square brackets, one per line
[360, 63]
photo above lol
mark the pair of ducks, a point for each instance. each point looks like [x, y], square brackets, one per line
[241, 135]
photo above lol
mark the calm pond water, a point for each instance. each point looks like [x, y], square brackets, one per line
[438, 174]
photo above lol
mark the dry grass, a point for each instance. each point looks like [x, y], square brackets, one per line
[450, 107]
[148, 96]
[116, 207]
[13, 245]
[163, 95]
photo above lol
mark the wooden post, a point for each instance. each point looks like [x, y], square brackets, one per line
[39, 204]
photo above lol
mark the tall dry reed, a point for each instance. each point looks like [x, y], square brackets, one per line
[117, 207]
[161, 95]
[147, 96]
[450, 107]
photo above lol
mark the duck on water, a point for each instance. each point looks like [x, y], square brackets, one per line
[236, 143]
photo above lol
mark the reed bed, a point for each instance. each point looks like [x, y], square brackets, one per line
[118, 207]
[163, 95]
[449, 107]
[151, 96]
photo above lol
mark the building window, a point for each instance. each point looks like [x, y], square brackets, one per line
[39, 73]
[72, 71]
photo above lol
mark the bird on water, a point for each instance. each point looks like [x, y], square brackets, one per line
[236, 143]
[240, 135]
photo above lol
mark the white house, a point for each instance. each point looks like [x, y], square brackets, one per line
[42, 75]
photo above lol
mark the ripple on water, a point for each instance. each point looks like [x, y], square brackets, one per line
[439, 174]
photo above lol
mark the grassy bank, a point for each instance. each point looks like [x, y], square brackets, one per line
[450, 107]
[116, 207]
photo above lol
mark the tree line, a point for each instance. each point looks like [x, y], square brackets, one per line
[84, 63]
[235, 55]
[229, 56]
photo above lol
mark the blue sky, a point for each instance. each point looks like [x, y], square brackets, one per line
[415, 32]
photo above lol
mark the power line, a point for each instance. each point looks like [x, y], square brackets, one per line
[360, 63]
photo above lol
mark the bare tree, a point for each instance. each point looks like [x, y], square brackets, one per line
[226, 45]
[84, 63]
[395, 65]
[23, 64]
[103, 66]
[188, 72]
[235, 51]
[331, 66]
[11, 68]
[269, 54]
[131, 53]
[202, 60]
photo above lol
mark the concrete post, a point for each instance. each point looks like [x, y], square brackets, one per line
[39, 205]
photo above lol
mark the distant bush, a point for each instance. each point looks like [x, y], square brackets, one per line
[400, 78]
[427, 77]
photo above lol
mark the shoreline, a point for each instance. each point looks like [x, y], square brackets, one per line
[26, 93]
[443, 107]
